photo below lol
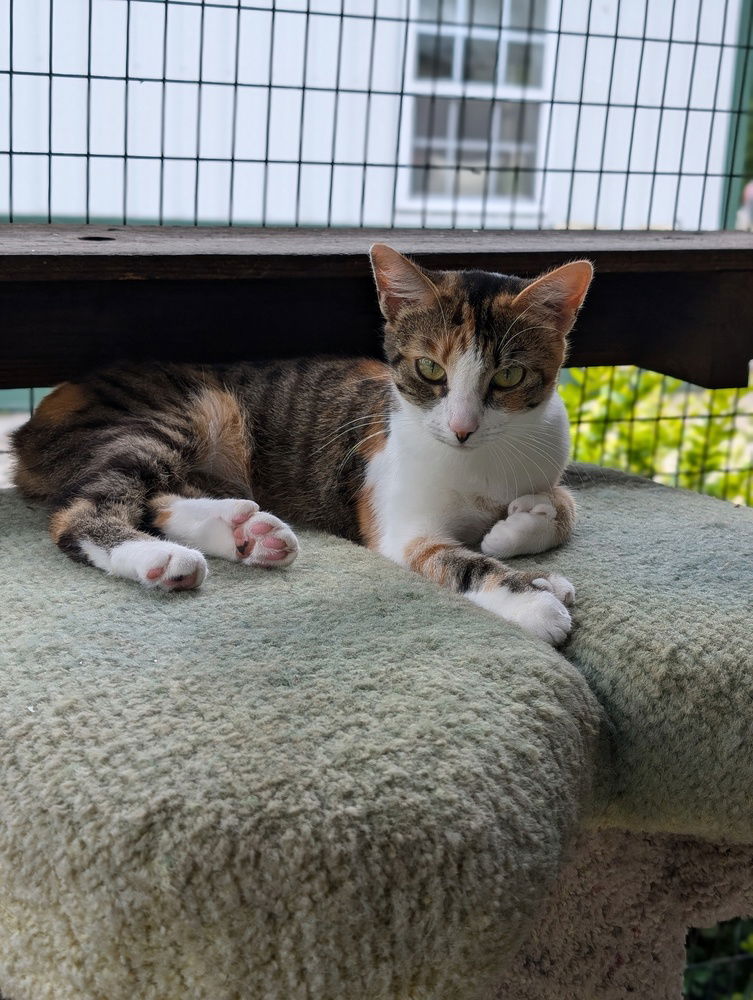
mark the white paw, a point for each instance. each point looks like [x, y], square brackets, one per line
[558, 585]
[539, 611]
[264, 540]
[528, 528]
[158, 564]
[533, 503]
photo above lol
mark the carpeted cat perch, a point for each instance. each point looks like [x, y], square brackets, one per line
[339, 783]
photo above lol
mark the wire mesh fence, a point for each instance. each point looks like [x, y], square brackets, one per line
[461, 113]
[673, 432]
[491, 114]
[449, 113]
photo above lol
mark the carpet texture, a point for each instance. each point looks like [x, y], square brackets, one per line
[664, 636]
[338, 782]
[332, 783]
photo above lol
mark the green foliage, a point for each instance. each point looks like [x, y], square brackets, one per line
[681, 435]
[663, 428]
[720, 962]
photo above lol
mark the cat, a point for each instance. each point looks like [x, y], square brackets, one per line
[446, 459]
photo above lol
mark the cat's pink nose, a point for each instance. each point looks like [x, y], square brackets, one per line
[462, 427]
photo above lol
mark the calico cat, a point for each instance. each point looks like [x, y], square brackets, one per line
[446, 459]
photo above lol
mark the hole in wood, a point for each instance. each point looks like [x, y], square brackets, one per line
[96, 239]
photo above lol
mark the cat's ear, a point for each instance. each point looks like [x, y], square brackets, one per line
[560, 292]
[399, 281]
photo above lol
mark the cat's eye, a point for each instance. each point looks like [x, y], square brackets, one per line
[508, 378]
[430, 370]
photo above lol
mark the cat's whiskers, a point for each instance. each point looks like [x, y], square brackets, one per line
[525, 460]
[543, 447]
[383, 431]
[503, 458]
[505, 344]
[518, 318]
[355, 424]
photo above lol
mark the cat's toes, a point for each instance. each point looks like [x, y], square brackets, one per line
[546, 617]
[558, 585]
[236, 512]
[533, 503]
[265, 540]
[521, 533]
[160, 565]
[536, 609]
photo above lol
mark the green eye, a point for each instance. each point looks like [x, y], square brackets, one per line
[506, 378]
[430, 370]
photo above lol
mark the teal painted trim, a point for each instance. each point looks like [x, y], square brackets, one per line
[21, 400]
[740, 139]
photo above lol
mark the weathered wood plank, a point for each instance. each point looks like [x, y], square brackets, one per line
[678, 303]
[49, 253]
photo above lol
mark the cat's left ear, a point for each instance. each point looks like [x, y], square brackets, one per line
[399, 282]
[560, 292]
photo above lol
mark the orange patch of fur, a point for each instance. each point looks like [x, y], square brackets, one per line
[63, 520]
[374, 439]
[421, 556]
[372, 369]
[64, 401]
[366, 517]
[31, 483]
[223, 438]
[492, 581]
[161, 512]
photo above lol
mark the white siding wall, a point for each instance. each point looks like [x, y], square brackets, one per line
[335, 118]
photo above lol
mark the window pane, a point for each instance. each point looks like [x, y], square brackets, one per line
[438, 10]
[430, 173]
[520, 122]
[471, 179]
[488, 12]
[435, 57]
[525, 63]
[480, 59]
[517, 176]
[475, 120]
[527, 13]
[432, 117]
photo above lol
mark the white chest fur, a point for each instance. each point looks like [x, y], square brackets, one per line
[422, 486]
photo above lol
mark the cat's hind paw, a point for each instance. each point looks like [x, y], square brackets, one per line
[262, 539]
[528, 528]
[157, 564]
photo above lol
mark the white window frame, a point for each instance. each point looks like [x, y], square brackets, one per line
[525, 207]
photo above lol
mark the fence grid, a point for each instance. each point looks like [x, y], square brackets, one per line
[450, 113]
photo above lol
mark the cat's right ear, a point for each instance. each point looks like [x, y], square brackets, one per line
[399, 282]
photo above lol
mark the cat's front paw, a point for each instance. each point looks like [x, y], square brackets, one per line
[528, 528]
[262, 539]
[558, 585]
[539, 609]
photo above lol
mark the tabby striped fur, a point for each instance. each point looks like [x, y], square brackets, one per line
[149, 470]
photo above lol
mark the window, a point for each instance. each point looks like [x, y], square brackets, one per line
[474, 147]
[479, 69]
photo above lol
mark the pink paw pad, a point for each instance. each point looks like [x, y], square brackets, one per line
[263, 540]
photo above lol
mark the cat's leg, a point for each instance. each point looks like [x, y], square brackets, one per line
[535, 601]
[228, 528]
[534, 523]
[101, 531]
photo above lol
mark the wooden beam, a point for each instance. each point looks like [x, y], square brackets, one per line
[77, 297]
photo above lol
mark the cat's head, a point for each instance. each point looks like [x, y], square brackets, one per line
[470, 350]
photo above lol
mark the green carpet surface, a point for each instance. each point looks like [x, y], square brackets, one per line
[334, 781]
[338, 782]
